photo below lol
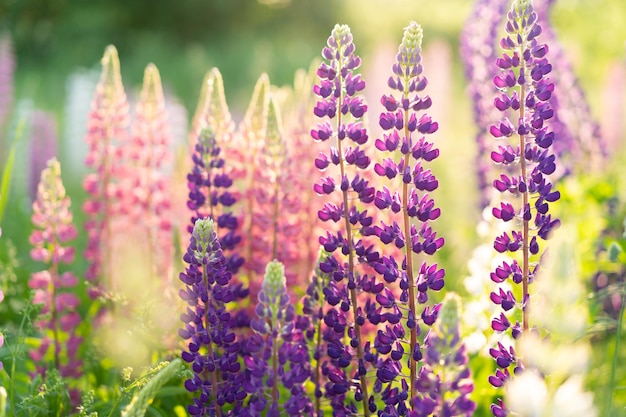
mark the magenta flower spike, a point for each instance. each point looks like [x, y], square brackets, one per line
[147, 187]
[53, 229]
[524, 155]
[106, 132]
[341, 109]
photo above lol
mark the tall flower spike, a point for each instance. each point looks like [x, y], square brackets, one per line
[7, 70]
[478, 53]
[43, 146]
[148, 187]
[106, 131]
[313, 313]
[213, 347]
[525, 93]
[277, 354]
[581, 145]
[342, 108]
[52, 219]
[275, 225]
[445, 380]
[251, 137]
[405, 131]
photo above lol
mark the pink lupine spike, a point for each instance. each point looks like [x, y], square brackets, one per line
[275, 224]
[146, 185]
[51, 219]
[106, 132]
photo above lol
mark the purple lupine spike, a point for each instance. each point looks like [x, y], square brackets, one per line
[53, 229]
[580, 138]
[478, 53]
[212, 347]
[210, 196]
[411, 183]
[277, 354]
[342, 108]
[524, 80]
[446, 368]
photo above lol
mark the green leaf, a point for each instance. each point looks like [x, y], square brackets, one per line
[8, 170]
[141, 401]
[614, 251]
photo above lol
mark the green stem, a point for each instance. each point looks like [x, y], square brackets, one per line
[618, 336]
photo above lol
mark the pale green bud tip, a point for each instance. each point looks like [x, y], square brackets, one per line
[203, 229]
[207, 137]
[521, 5]
[413, 35]
[450, 311]
[274, 281]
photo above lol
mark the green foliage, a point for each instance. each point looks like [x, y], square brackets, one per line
[141, 401]
[8, 171]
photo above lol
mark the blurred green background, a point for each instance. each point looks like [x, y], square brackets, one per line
[243, 38]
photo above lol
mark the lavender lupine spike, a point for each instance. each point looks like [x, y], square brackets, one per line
[525, 97]
[408, 198]
[445, 381]
[478, 53]
[43, 146]
[213, 347]
[342, 109]
[52, 219]
[106, 131]
[7, 70]
[580, 137]
[277, 354]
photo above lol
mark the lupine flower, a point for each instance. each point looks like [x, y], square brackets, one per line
[444, 382]
[580, 138]
[478, 53]
[213, 347]
[43, 146]
[313, 315]
[52, 219]
[300, 149]
[106, 131]
[525, 92]
[210, 196]
[147, 188]
[275, 227]
[341, 109]
[277, 354]
[405, 131]
[246, 153]
[7, 70]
